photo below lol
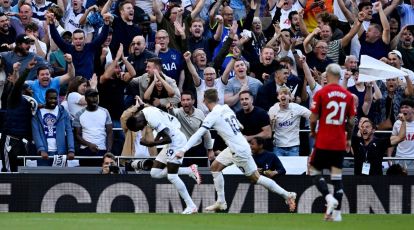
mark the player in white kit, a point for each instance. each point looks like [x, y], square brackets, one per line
[224, 121]
[168, 132]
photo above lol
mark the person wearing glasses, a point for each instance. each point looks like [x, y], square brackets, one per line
[326, 34]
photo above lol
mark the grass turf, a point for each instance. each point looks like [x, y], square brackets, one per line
[62, 221]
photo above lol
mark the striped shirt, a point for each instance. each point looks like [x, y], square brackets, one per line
[40, 10]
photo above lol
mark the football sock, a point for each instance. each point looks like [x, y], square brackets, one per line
[184, 171]
[219, 185]
[182, 190]
[272, 186]
[338, 191]
[320, 183]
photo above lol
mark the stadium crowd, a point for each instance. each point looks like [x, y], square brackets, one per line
[70, 73]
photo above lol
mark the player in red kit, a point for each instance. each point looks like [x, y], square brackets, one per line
[333, 106]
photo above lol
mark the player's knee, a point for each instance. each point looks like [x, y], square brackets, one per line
[156, 173]
[173, 177]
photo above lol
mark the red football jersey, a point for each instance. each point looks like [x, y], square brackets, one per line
[334, 105]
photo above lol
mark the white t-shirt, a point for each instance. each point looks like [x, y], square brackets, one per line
[71, 21]
[73, 103]
[42, 46]
[406, 147]
[93, 126]
[160, 120]
[140, 150]
[49, 120]
[224, 121]
[312, 93]
[284, 17]
[218, 85]
[287, 123]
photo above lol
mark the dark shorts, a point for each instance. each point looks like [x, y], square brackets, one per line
[325, 159]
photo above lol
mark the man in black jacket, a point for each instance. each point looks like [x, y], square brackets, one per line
[17, 126]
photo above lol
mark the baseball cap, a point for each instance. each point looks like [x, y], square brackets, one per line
[22, 38]
[143, 19]
[396, 52]
[91, 92]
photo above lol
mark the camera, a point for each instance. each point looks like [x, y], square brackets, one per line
[143, 164]
[113, 169]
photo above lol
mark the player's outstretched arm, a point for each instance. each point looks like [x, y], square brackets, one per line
[192, 141]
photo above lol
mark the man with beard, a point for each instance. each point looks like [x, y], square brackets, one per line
[228, 16]
[22, 55]
[124, 27]
[16, 134]
[395, 59]
[405, 41]
[52, 130]
[318, 58]
[198, 41]
[93, 127]
[174, 14]
[388, 106]
[82, 51]
[191, 119]
[266, 66]
[172, 61]
[369, 150]
[209, 81]
[7, 33]
[144, 24]
[255, 121]
[139, 54]
[375, 42]
[112, 86]
[267, 95]
[406, 147]
[239, 83]
[139, 85]
[45, 81]
[280, 10]
[334, 46]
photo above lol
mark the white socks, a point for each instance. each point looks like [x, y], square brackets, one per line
[161, 173]
[272, 186]
[219, 185]
[182, 190]
[184, 171]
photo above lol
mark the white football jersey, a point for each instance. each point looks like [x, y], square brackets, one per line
[224, 121]
[160, 120]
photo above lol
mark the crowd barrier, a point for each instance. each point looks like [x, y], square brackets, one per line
[140, 193]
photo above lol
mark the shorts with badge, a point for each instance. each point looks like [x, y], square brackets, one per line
[325, 159]
[244, 162]
[167, 154]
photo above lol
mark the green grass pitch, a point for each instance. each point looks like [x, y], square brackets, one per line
[63, 221]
